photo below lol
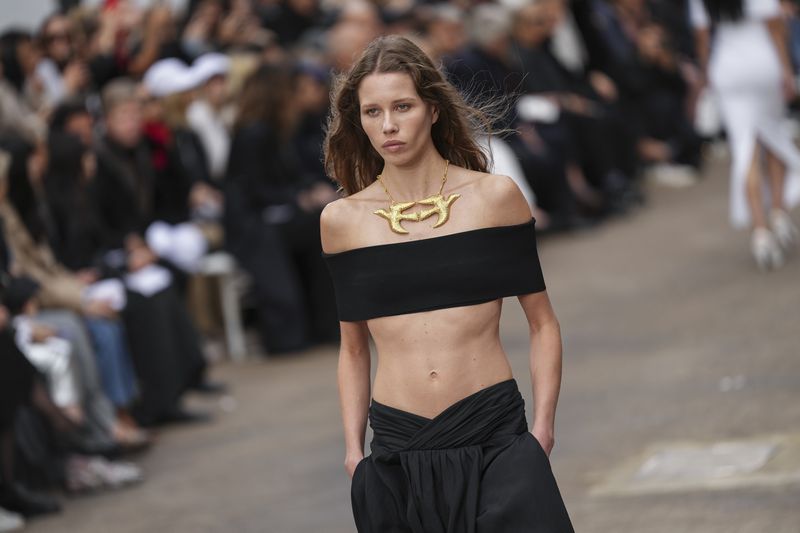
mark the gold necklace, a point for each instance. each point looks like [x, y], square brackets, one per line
[441, 206]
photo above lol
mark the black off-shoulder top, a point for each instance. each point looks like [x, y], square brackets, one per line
[457, 269]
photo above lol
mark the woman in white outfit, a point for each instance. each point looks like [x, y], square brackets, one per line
[749, 70]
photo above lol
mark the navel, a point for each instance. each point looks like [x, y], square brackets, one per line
[433, 374]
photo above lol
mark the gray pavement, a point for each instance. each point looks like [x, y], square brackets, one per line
[670, 334]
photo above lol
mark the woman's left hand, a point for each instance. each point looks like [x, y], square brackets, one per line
[545, 438]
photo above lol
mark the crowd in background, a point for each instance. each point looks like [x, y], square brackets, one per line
[134, 141]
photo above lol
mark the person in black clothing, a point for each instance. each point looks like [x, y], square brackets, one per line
[272, 216]
[20, 384]
[451, 450]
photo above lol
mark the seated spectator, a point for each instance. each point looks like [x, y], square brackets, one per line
[444, 33]
[164, 344]
[19, 56]
[20, 384]
[207, 115]
[62, 74]
[44, 348]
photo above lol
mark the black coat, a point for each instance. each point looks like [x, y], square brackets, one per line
[263, 172]
[123, 190]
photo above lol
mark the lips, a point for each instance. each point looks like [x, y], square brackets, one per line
[393, 145]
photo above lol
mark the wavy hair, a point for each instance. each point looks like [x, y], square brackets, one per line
[350, 159]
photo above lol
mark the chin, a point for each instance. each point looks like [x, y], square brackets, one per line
[402, 159]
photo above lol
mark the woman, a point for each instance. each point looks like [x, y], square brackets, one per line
[451, 451]
[272, 215]
[749, 69]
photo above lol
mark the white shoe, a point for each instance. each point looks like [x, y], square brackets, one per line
[783, 228]
[10, 521]
[766, 250]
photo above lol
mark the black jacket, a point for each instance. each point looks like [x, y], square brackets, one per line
[263, 172]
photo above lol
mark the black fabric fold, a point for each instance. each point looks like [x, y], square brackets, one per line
[473, 468]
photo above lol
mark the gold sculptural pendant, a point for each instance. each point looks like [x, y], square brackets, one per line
[395, 215]
[441, 206]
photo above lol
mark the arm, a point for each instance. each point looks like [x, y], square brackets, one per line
[702, 38]
[353, 370]
[701, 22]
[777, 30]
[545, 333]
[354, 389]
[545, 365]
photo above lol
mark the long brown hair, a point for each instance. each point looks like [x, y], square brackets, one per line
[351, 160]
[265, 97]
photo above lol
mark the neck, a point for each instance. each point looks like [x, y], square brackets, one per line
[416, 180]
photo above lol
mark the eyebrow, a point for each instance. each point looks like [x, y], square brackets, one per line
[399, 100]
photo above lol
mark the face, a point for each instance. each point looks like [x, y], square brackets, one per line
[80, 125]
[311, 95]
[394, 117]
[216, 90]
[57, 39]
[124, 123]
[536, 22]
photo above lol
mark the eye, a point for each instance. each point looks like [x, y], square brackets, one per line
[403, 107]
[371, 112]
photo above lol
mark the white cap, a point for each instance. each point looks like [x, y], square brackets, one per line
[168, 76]
[209, 65]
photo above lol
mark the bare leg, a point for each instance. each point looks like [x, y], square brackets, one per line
[786, 232]
[753, 188]
[777, 175]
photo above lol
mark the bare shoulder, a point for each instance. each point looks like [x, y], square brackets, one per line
[340, 220]
[333, 225]
[504, 202]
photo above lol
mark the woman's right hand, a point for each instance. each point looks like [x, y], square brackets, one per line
[351, 462]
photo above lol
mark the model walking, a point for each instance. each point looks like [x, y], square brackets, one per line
[421, 250]
[749, 69]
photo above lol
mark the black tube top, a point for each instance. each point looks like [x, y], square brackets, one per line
[465, 268]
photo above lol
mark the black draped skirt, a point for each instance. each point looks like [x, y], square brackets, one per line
[475, 468]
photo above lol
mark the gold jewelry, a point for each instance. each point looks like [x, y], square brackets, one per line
[441, 206]
[395, 216]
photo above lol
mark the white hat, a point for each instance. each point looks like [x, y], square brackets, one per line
[209, 65]
[168, 76]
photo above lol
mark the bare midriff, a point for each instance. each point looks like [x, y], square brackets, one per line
[427, 361]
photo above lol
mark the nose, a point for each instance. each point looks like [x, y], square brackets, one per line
[389, 125]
